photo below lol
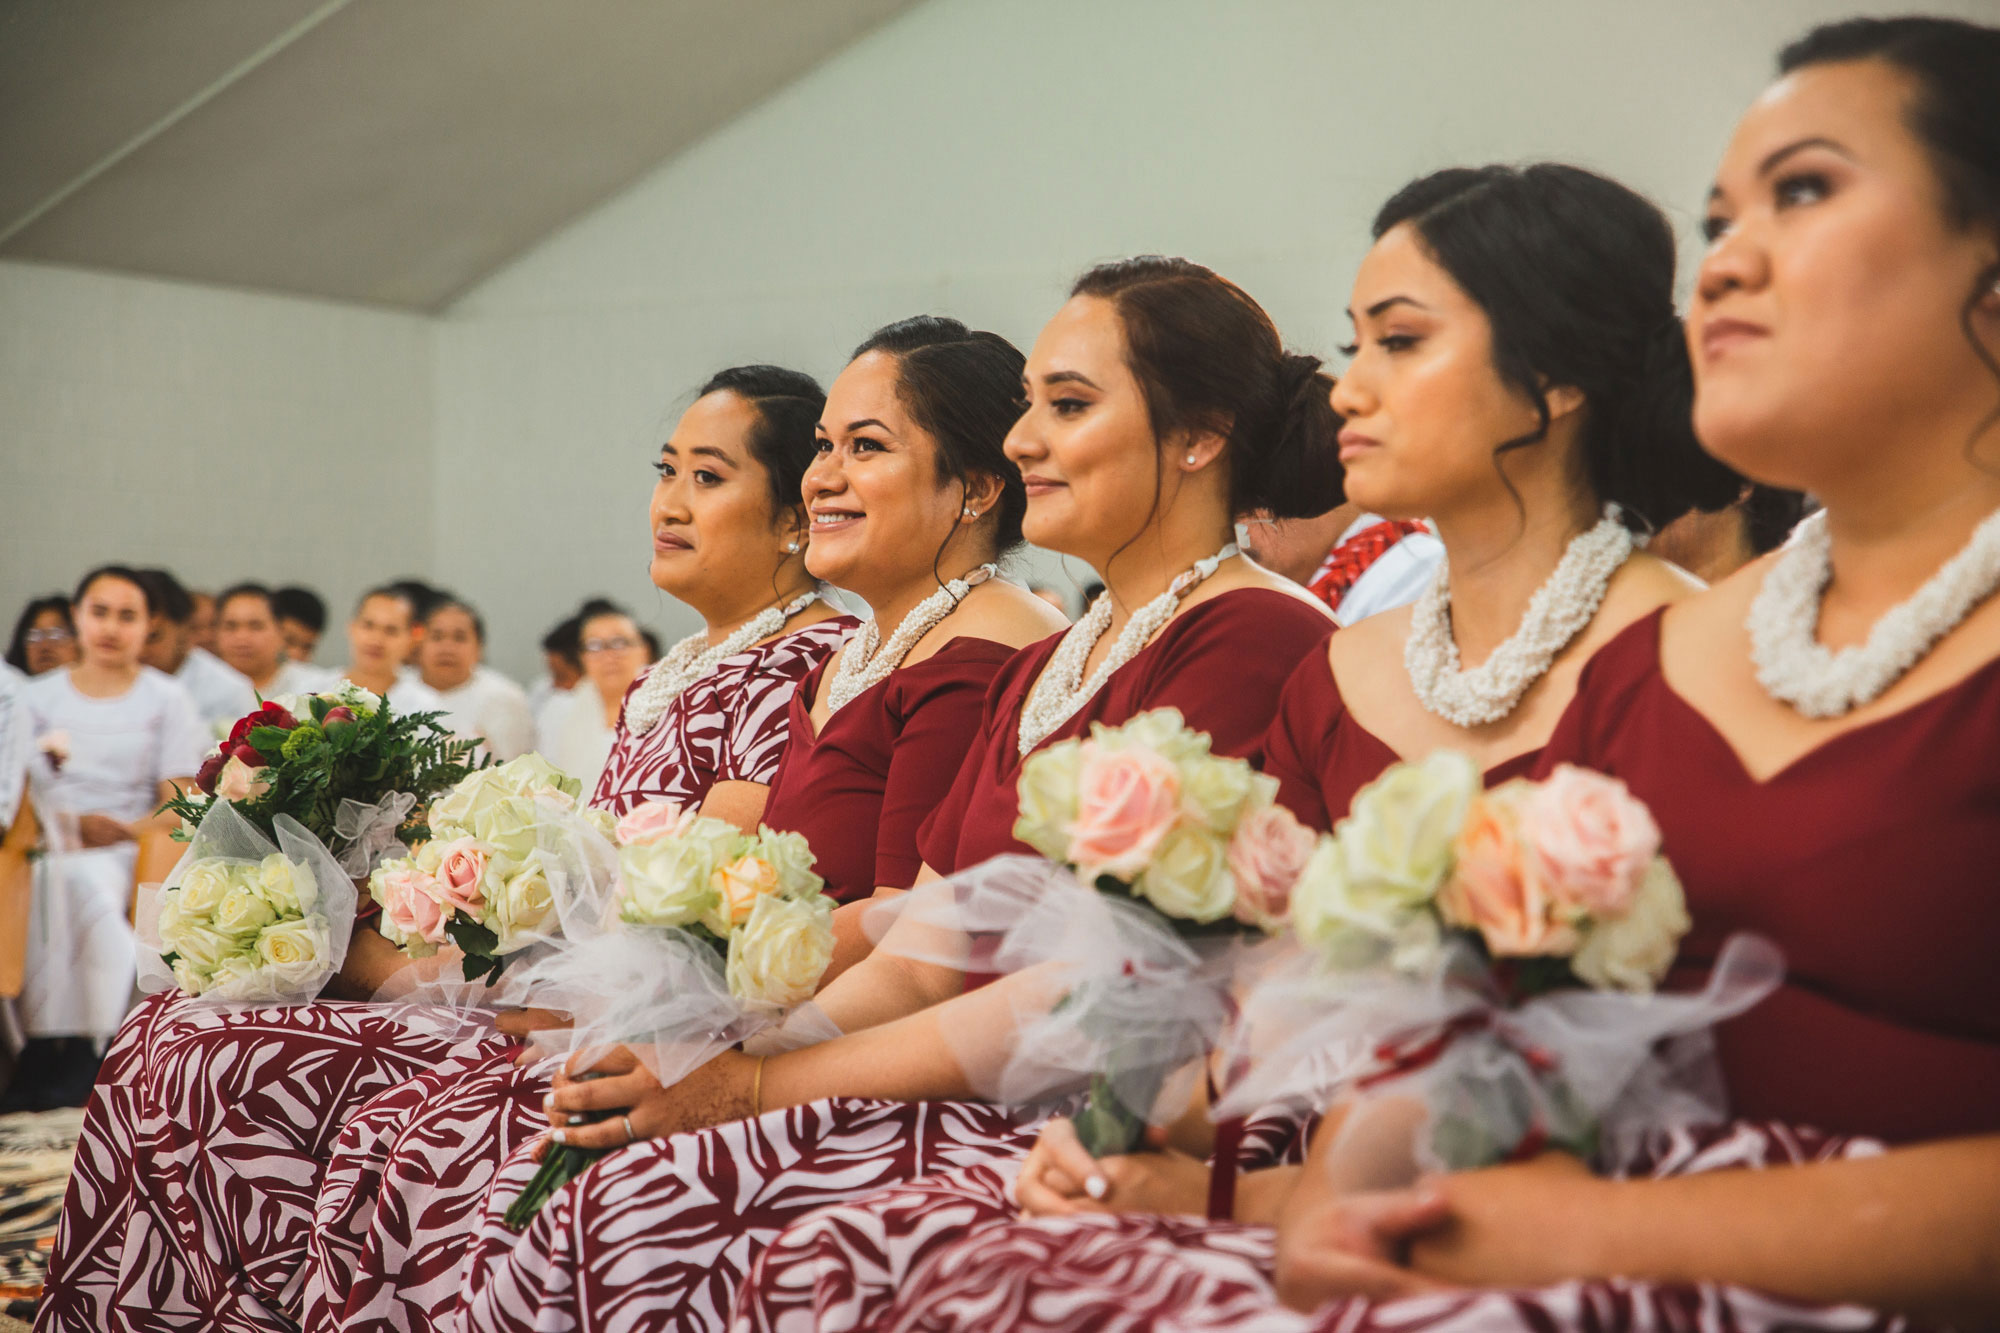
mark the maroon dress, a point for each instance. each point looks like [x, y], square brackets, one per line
[658, 1237]
[841, 1267]
[1868, 861]
[859, 789]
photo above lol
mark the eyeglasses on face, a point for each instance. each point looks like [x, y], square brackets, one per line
[617, 645]
[49, 636]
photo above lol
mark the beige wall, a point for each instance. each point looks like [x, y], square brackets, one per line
[968, 158]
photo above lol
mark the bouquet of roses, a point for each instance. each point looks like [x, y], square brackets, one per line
[718, 936]
[482, 881]
[1482, 968]
[1120, 950]
[304, 796]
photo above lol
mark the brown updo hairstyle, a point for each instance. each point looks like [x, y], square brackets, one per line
[1208, 358]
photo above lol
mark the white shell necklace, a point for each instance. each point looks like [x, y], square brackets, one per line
[1795, 668]
[694, 657]
[1062, 689]
[1560, 608]
[861, 667]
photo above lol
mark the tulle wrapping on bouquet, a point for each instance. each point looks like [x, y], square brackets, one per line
[225, 835]
[367, 833]
[1091, 985]
[1436, 1072]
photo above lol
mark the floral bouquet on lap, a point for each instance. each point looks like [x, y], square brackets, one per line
[1481, 978]
[303, 797]
[486, 880]
[718, 936]
[1121, 949]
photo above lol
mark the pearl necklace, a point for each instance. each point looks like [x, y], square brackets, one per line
[694, 657]
[861, 667]
[1556, 613]
[1795, 668]
[1062, 689]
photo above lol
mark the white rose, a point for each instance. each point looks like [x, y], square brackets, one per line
[602, 822]
[1189, 877]
[287, 885]
[203, 884]
[524, 908]
[1397, 839]
[294, 944]
[243, 910]
[429, 856]
[508, 827]
[1218, 791]
[203, 946]
[452, 814]
[1352, 925]
[354, 697]
[194, 980]
[1634, 951]
[1161, 730]
[791, 856]
[1048, 791]
[777, 957]
[170, 915]
[666, 883]
[239, 976]
[530, 775]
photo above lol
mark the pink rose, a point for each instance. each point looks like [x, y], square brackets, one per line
[460, 873]
[1266, 857]
[409, 900]
[1495, 888]
[653, 821]
[239, 781]
[1127, 800]
[1591, 840]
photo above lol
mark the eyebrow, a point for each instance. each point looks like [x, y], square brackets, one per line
[1773, 159]
[710, 451]
[1387, 301]
[1068, 377]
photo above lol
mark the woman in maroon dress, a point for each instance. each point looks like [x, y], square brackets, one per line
[1160, 405]
[1450, 360]
[211, 1130]
[1816, 739]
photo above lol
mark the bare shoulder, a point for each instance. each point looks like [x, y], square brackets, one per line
[1365, 643]
[997, 610]
[1240, 574]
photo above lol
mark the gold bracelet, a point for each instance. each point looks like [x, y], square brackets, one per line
[757, 1089]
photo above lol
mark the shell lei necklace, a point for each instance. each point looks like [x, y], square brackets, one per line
[1560, 608]
[694, 657]
[1795, 668]
[1062, 689]
[861, 666]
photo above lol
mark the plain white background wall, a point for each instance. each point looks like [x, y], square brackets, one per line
[969, 158]
[223, 434]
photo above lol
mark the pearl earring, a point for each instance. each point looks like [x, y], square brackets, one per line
[792, 547]
[1190, 460]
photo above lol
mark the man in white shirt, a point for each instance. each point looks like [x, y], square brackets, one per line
[247, 638]
[477, 700]
[1355, 562]
[221, 693]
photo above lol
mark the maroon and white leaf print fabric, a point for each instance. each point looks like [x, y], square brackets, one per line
[657, 1238]
[1149, 1274]
[203, 1142]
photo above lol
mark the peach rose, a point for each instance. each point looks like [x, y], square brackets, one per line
[460, 876]
[1267, 856]
[1494, 887]
[652, 821]
[240, 782]
[739, 885]
[409, 901]
[1591, 840]
[1127, 800]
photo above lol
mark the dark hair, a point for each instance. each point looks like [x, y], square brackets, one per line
[125, 572]
[301, 604]
[1769, 515]
[1208, 358]
[566, 641]
[256, 590]
[1576, 275]
[17, 647]
[398, 591]
[788, 404]
[447, 602]
[169, 598]
[652, 643]
[1955, 114]
[963, 386]
[422, 597]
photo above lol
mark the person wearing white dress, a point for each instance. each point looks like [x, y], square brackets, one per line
[577, 725]
[114, 739]
[220, 692]
[479, 702]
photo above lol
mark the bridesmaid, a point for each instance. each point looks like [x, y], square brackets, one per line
[1446, 415]
[912, 504]
[209, 1131]
[1160, 405]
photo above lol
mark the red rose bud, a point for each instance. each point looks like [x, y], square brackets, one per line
[249, 756]
[240, 732]
[211, 769]
[270, 715]
[338, 716]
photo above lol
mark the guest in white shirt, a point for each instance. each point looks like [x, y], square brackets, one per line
[115, 737]
[43, 638]
[380, 638]
[576, 727]
[17, 744]
[1347, 558]
[301, 619]
[247, 638]
[478, 702]
[221, 693]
